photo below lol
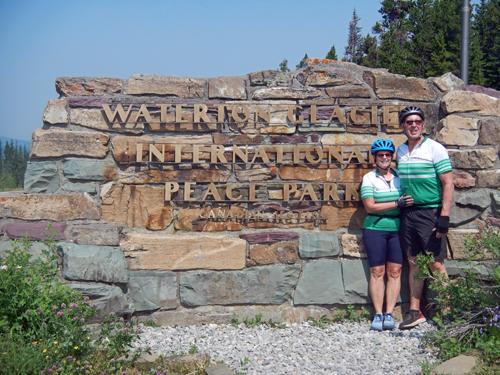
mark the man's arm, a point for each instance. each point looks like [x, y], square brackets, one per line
[448, 188]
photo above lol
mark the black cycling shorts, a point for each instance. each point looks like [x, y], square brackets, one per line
[382, 247]
[416, 234]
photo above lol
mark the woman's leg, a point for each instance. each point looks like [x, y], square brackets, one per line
[393, 288]
[376, 287]
[376, 247]
[393, 270]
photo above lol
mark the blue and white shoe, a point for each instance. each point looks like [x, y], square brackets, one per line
[388, 322]
[377, 323]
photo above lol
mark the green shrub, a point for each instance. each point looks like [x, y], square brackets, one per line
[471, 303]
[43, 323]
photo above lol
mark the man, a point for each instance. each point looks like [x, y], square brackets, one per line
[425, 171]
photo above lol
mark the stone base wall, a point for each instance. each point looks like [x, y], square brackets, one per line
[132, 250]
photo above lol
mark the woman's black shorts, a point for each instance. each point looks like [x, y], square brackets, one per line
[382, 247]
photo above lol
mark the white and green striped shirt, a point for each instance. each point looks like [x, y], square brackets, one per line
[420, 170]
[376, 187]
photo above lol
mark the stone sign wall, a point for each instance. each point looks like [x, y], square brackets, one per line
[190, 199]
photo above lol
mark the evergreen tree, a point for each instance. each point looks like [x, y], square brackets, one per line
[13, 162]
[394, 33]
[476, 61]
[368, 51]
[351, 53]
[487, 26]
[446, 44]
[332, 54]
[301, 63]
[1, 159]
[423, 33]
[284, 66]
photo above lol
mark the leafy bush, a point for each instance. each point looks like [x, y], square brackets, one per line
[43, 323]
[470, 304]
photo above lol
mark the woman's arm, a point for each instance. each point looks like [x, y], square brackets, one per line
[372, 207]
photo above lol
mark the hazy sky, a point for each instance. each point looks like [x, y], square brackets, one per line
[41, 40]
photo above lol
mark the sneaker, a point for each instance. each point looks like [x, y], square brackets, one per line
[412, 319]
[377, 322]
[388, 321]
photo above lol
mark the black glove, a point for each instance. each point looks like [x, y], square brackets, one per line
[401, 201]
[443, 223]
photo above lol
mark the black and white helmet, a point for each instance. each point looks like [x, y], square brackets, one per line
[411, 110]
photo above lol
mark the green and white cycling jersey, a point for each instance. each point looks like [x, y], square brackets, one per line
[420, 170]
[376, 187]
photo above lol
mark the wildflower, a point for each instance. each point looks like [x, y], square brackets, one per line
[82, 320]
[60, 313]
[70, 310]
[69, 358]
[27, 312]
[88, 337]
[76, 347]
[86, 298]
[39, 309]
[93, 305]
[111, 324]
[50, 371]
[46, 357]
[121, 319]
[54, 308]
[63, 304]
[55, 342]
[75, 318]
[72, 305]
[44, 324]
[124, 373]
[44, 350]
[111, 313]
[127, 324]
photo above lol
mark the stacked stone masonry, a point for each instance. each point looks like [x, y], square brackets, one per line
[133, 251]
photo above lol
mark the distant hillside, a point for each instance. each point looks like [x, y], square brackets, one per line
[19, 142]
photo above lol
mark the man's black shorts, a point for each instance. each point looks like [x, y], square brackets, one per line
[416, 235]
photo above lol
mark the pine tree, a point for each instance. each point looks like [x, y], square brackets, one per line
[394, 33]
[1, 159]
[446, 42]
[351, 53]
[301, 63]
[476, 60]
[369, 51]
[284, 66]
[423, 32]
[487, 24]
[332, 54]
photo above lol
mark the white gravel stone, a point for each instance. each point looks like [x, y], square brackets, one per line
[346, 348]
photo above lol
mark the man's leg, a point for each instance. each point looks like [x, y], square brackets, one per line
[416, 285]
[414, 317]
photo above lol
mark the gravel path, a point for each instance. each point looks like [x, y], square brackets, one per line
[347, 348]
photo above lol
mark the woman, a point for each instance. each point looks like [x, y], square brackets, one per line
[382, 197]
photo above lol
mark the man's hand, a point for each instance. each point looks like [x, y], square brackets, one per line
[442, 225]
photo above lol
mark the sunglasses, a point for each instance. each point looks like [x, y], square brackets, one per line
[416, 122]
[384, 155]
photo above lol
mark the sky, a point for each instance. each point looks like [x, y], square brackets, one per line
[41, 40]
